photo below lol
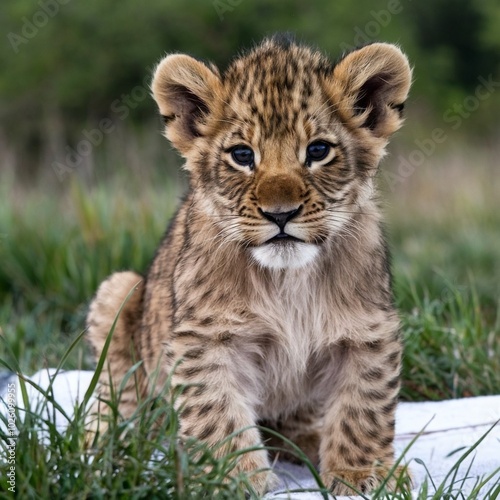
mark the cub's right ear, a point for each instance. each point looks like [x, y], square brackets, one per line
[185, 90]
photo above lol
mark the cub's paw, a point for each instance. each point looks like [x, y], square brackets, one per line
[364, 480]
[256, 466]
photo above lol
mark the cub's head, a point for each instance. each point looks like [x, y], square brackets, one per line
[283, 147]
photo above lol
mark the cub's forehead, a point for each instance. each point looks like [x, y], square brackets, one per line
[277, 84]
[275, 62]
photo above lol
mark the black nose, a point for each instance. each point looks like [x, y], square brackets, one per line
[281, 218]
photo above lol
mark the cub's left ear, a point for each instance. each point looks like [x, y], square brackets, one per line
[369, 87]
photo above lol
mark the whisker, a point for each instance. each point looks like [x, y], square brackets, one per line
[356, 212]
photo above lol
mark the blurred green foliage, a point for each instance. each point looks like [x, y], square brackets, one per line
[68, 64]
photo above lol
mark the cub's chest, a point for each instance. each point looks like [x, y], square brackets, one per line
[295, 369]
[294, 337]
[295, 317]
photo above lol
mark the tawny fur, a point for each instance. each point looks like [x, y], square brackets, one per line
[302, 336]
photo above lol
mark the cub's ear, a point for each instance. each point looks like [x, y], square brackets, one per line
[370, 86]
[184, 90]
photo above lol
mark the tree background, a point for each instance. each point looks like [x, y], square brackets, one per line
[69, 64]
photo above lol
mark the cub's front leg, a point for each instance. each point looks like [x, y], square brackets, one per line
[219, 398]
[358, 433]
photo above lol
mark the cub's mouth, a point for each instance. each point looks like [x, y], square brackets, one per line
[282, 239]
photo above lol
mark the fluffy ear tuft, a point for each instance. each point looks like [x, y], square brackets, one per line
[184, 90]
[370, 86]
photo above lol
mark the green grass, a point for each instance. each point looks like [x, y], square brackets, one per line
[143, 458]
[136, 458]
[56, 247]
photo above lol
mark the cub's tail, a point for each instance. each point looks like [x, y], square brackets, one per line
[123, 350]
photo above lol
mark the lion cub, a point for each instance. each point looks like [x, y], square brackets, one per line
[272, 283]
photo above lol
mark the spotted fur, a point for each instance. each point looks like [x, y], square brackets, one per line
[298, 331]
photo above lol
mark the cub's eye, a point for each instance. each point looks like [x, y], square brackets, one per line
[242, 155]
[317, 151]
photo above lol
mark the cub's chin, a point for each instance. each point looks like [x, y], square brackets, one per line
[285, 253]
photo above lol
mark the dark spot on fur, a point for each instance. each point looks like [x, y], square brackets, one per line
[207, 321]
[200, 389]
[170, 354]
[225, 337]
[187, 410]
[372, 416]
[230, 426]
[195, 353]
[192, 371]
[392, 384]
[346, 429]
[204, 409]
[374, 395]
[352, 413]
[167, 119]
[393, 358]
[375, 346]
[187, 333]
[389, 408]
[386, 441]
[344, 451]
[373, 375]
[334, 484]
[208, 431]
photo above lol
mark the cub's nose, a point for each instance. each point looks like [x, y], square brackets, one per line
[281, 218]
